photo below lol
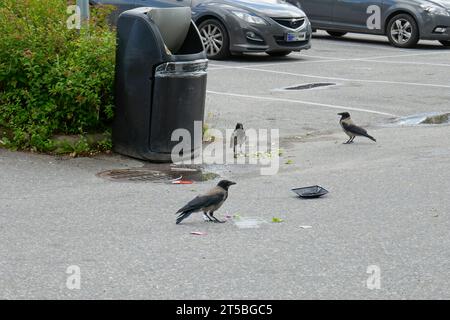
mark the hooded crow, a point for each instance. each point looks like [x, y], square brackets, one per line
[208, 202]
[237, 138]
[351, 129]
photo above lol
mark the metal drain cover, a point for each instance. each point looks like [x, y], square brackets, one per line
[308, 86]
[150, 174]
[423, 118]
[135, 174]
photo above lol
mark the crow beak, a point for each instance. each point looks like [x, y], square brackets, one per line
[231, 183]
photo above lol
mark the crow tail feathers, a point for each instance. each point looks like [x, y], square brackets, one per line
[183, 216]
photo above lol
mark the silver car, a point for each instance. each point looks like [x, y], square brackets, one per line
[404, 22]
[237, 26]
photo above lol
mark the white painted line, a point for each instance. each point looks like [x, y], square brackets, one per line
[309, 103]
[322, 60]
[370, 59]
[344, 43]
[409, 62]
[381, 47]
[216, 65]
[349, 79]
[316, 56]
[406, 55]
[244, 66]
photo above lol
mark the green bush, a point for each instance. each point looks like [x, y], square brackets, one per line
[53, 80]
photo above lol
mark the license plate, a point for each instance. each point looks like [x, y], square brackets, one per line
[295, 36]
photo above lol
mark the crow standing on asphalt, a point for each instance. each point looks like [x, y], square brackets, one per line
[237, 138]
[208, 202]
[351, 129]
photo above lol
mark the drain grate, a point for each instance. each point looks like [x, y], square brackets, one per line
[135, 174]
[163, 174]
[423, 118]
[310, 86]
[437, 119]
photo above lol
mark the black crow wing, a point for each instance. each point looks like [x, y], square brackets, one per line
[238, 137]
[354, 129]
[241, 137]
[233, 139]
[201, 202]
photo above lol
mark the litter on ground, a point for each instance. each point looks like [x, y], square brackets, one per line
[198, 233]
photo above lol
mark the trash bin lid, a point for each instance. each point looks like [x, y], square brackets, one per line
[173, 24]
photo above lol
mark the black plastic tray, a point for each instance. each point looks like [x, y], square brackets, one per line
[310, 192]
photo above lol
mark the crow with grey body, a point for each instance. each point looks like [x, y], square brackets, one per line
[237, 138]
[208, 202]
[351, 129]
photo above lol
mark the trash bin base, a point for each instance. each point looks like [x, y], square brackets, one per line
[155, 156]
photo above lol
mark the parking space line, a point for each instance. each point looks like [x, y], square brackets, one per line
[381, 57]
[330, 106]
[273, 64]
[408, 62]
[216, 65]
[349, 79]
[336, 43]
[376, 57]
[389, 56]
[248, 66]
[383, 45]
[373, 59]
[405, 55]
[316, 56]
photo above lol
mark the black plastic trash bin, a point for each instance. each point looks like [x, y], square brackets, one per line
[160, 85]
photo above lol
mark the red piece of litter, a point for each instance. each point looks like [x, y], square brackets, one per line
[196, 233]
[183, 182]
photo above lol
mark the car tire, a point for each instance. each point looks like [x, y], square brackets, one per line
[279, 53]
[402, 31]
[215, 39]
[336, 33]
[445, 43]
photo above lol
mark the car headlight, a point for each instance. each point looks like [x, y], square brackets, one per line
[249, 17]
[435, 10]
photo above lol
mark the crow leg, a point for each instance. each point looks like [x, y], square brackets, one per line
[207, 218]
[242, 149]
[353, 138]
[234, 151]
[211, 213]
[348, 141]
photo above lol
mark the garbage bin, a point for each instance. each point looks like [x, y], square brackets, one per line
[160, 85]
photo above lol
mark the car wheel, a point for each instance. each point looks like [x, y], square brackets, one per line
[215, 39]
[336, 33]
[402, 31]
[279, 53]
[445, 43]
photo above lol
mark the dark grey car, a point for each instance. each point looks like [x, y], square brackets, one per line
[237, 26]
[404, 22]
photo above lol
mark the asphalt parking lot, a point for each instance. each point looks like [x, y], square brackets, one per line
[370, 76]
[387, 209]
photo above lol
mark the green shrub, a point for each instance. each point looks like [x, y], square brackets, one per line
[53, 80]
